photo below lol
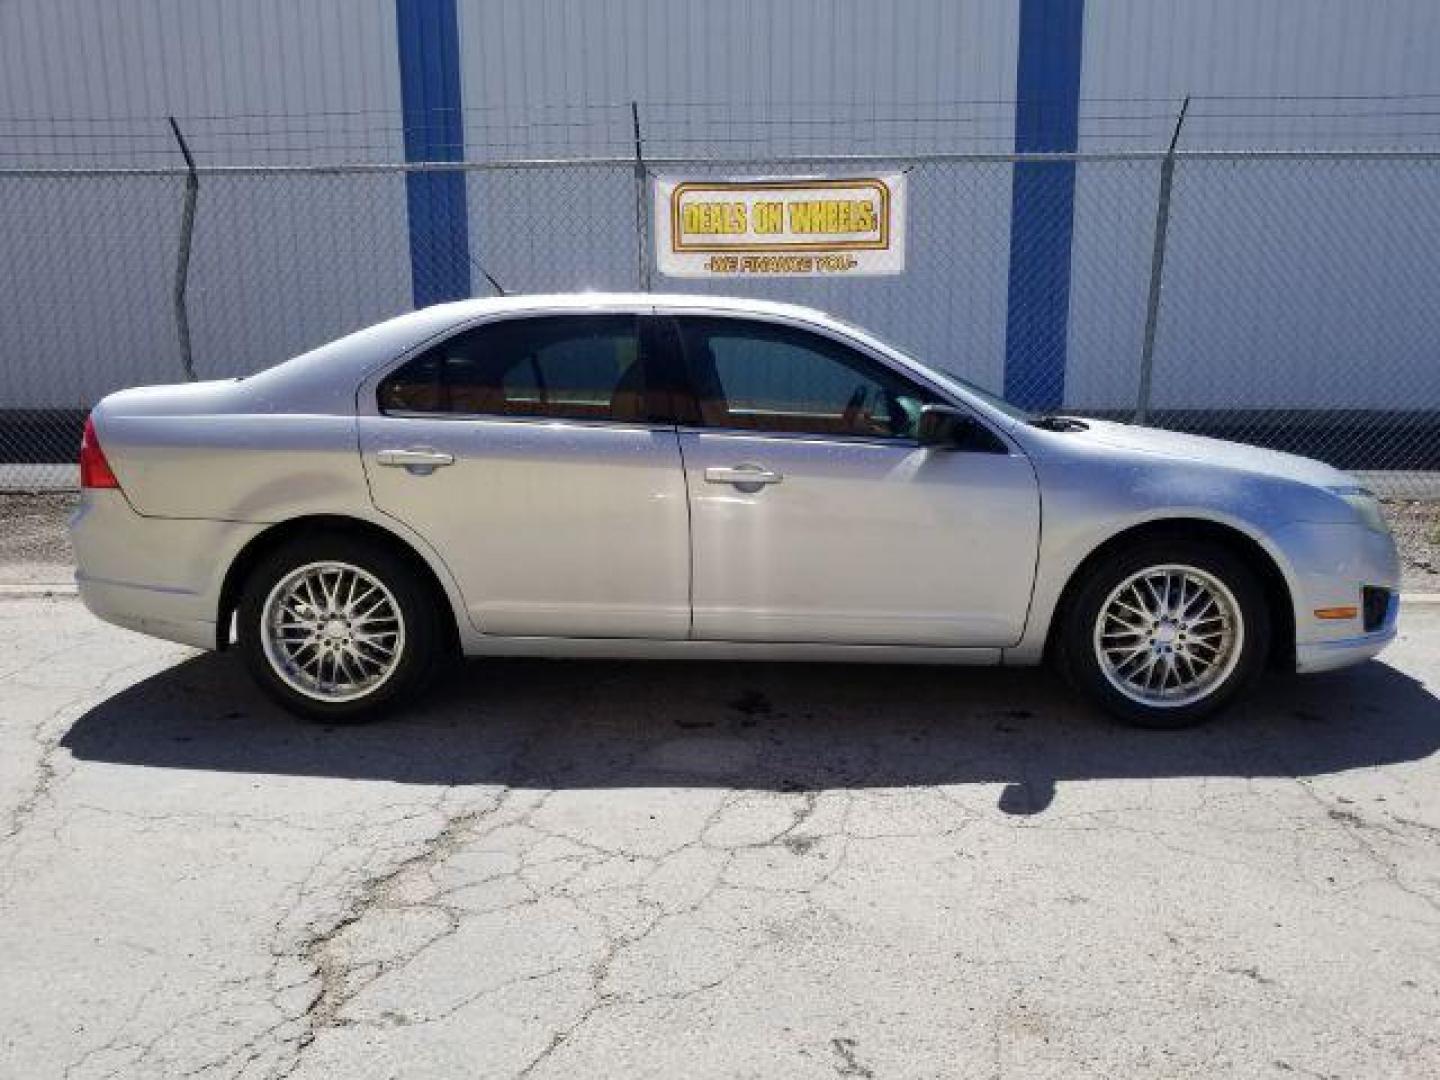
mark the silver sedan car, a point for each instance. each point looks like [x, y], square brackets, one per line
[651, 476]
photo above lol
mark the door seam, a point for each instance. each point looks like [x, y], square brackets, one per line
[689, 537]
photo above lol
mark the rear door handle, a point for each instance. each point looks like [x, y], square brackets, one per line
[418, 458]
[751, 477]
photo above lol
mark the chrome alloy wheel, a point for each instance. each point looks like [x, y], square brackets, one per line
[1169, 636]
[332, 631]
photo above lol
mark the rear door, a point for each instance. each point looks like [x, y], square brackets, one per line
[533, 454]
[817, 517]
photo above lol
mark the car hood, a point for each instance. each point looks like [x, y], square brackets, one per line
[1216, 452]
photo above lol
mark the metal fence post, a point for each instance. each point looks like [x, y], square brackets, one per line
[1157, 269]
[641, 265]
[182, 265]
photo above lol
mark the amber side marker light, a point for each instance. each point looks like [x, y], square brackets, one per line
[1336, 612]
[95, 471]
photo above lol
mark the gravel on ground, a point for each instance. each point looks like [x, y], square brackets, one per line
[1417, 533]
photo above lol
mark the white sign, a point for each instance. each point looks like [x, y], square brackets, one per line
[780, 228]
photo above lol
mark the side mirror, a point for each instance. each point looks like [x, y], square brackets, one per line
[943, 427]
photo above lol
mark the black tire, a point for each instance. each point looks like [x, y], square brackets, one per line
[1077, 651]
[423, 639]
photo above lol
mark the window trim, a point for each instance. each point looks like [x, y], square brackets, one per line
[801, 436]
[682, 364]
[367, 389]
[553, 421]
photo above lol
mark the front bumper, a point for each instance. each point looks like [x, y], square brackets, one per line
[1329, 655]
[1332, 565]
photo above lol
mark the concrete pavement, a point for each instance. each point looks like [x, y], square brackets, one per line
[555, 869]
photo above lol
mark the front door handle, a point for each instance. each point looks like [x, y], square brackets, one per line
[420, 459]
[744, 477]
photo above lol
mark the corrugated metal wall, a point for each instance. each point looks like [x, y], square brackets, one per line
[1143, 56]
[1294, 284]
[261, 81]
[96, 75]
[811, 75]
[256, 81]
[89, 82]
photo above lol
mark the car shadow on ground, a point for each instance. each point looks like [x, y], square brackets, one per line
[782, 727]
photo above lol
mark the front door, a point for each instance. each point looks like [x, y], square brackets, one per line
[816, 516]
[528, 453]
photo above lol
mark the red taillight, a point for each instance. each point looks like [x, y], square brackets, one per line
[94, 469]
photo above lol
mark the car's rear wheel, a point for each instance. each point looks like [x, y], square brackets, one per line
[1167, 633]
[337, 628]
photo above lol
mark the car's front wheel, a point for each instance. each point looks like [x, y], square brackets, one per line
[337, 628]
[1166, 633]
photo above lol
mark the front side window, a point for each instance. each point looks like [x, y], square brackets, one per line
[571, 367]
[769, 377]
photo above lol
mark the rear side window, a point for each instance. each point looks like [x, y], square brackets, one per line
[570, 367]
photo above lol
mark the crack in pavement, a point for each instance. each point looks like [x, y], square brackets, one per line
[584, 883]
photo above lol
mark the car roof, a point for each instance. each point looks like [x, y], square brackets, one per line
[337, 364]
[324, 379]
[466, 309]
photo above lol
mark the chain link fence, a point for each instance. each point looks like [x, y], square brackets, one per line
[1294, 302]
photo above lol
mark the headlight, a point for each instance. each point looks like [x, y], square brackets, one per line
[1365, 505]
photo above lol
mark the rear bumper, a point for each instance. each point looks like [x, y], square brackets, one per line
[157, 612]
[157, 576]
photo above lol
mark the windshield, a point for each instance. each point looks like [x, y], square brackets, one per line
[940, 375]
[995, 401]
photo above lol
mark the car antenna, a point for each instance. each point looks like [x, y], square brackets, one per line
[499, 289]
